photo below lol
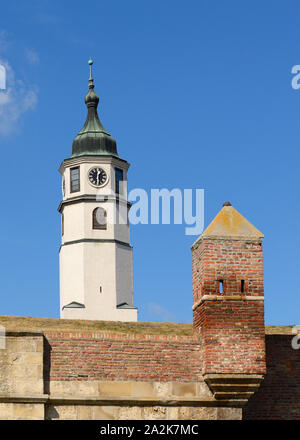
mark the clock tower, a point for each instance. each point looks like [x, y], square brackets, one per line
[95, 256]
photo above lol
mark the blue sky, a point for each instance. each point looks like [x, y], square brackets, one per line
[197, 94]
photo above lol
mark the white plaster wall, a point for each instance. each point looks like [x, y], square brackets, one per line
[122, 229]
[124, 281]
[73, 222]
[71, 261]
[87, 267]
[100, 271]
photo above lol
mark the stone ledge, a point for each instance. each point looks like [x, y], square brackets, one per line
[233, 386]
[247, 238]
[121, 401]
[227, 298]
[20, 398]
[143, 401]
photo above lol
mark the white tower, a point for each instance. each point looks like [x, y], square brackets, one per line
[96, 279]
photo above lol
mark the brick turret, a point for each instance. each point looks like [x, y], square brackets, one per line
[228, 304]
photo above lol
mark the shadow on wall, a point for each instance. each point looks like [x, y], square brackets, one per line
[278, 396]
[47, 365]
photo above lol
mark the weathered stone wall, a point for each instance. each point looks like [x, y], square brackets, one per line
[150, 412]
[134, 400]
[22, 376]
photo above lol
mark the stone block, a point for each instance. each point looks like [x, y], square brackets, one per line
[229, 413]
[185, 413]
[34, 358]
[82, 388]
[114, 389]
[205, 413]
[184, 389]
[6, 411]
[203, 390]
[65, 412]
[84, 412]
[154, 412]
[162, 389]
[61, 387]
[30, 386]
[142, 389]
[130, 413]
[104, 412]
[172, 413]
[28, 411]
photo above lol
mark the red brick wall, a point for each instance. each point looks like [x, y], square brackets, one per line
[278, 396]
[232, 332]
[124, 357]
[232, 336]
[230, 261]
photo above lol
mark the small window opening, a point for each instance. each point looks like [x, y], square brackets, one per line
[118, 181]
[242, 286]
[100, 289]
[221, 286]
[75, 179]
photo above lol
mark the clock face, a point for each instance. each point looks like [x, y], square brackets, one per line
[97, 176]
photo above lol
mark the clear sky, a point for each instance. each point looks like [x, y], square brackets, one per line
[197, 94]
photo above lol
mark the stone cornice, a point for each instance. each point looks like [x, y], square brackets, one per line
[96, 240]
[92, 198]
[226, 298]
[119, 400]
[226, 238]
[93, 159]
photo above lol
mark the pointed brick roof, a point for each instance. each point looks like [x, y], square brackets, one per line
[230, 224]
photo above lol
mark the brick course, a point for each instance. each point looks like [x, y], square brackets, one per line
[124, 357]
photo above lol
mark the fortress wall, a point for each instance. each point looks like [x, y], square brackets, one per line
[59, 375]
[85, 375]
[279, 394]
[22, 376]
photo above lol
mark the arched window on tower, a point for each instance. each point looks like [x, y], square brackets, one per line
[99, 218]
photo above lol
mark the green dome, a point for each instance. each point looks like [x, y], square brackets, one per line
[93, 139]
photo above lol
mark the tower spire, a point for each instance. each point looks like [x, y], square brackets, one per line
[91, 81]
[93, 139]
